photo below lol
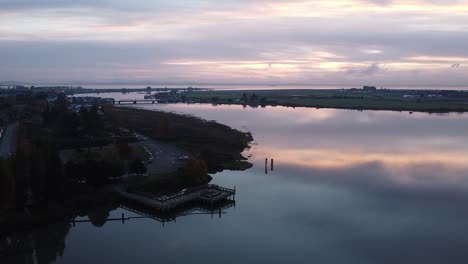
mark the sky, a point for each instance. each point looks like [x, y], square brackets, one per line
[334, 42]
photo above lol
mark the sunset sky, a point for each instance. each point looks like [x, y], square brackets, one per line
[337, 42]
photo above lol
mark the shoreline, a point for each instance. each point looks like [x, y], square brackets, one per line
[202, 139]
[428, 101]
[400, 100]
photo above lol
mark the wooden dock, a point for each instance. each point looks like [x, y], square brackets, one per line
[208, 194]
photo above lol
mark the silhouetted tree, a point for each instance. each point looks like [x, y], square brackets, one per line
[94, 173]
[123, 149]
[6, 184]
[244, 98]
[253, 97]
[138, 167]
[195, 171]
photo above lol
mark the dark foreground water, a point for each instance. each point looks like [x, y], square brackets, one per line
[347, 187]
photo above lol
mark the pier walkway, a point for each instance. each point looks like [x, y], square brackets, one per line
[208, 194]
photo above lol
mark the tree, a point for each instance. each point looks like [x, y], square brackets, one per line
[123, 149]
[94, 175]
[74, 170]
[91, 121]
[138, 167]
[55, 177]
[244, 98]
[112, 169]
[253, 97]
[6, 184]
[195, 171]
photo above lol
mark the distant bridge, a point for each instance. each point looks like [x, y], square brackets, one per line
[140, 101]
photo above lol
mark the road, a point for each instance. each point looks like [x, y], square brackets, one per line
[165, 156]
[8, 141]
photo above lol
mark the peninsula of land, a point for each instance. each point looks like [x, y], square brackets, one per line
[59, 161]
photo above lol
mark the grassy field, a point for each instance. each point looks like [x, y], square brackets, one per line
[396, 100]
[109, 153]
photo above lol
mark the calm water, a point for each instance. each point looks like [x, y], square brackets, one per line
[347, 187]
[258, 87]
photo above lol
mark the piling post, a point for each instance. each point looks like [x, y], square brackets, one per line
[219, 212]
[271, 165]
[123, 218]
[73, 221]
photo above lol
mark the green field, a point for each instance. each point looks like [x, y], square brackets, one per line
[110, 153]
[396, 100]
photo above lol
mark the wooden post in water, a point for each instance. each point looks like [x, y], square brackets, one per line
[219, 212]
[271, 164]
[266, 166]
[123, 218]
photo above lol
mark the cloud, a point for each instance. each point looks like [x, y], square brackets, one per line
[223, 41]
[369, 70]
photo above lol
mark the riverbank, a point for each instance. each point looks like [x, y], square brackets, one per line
[371, 98]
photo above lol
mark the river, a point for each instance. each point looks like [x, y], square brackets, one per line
[346, 187]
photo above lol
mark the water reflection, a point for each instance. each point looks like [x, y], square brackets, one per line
[347, 187]
[195, 208]
[411, 148]
[42, 246]
[134, 211]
